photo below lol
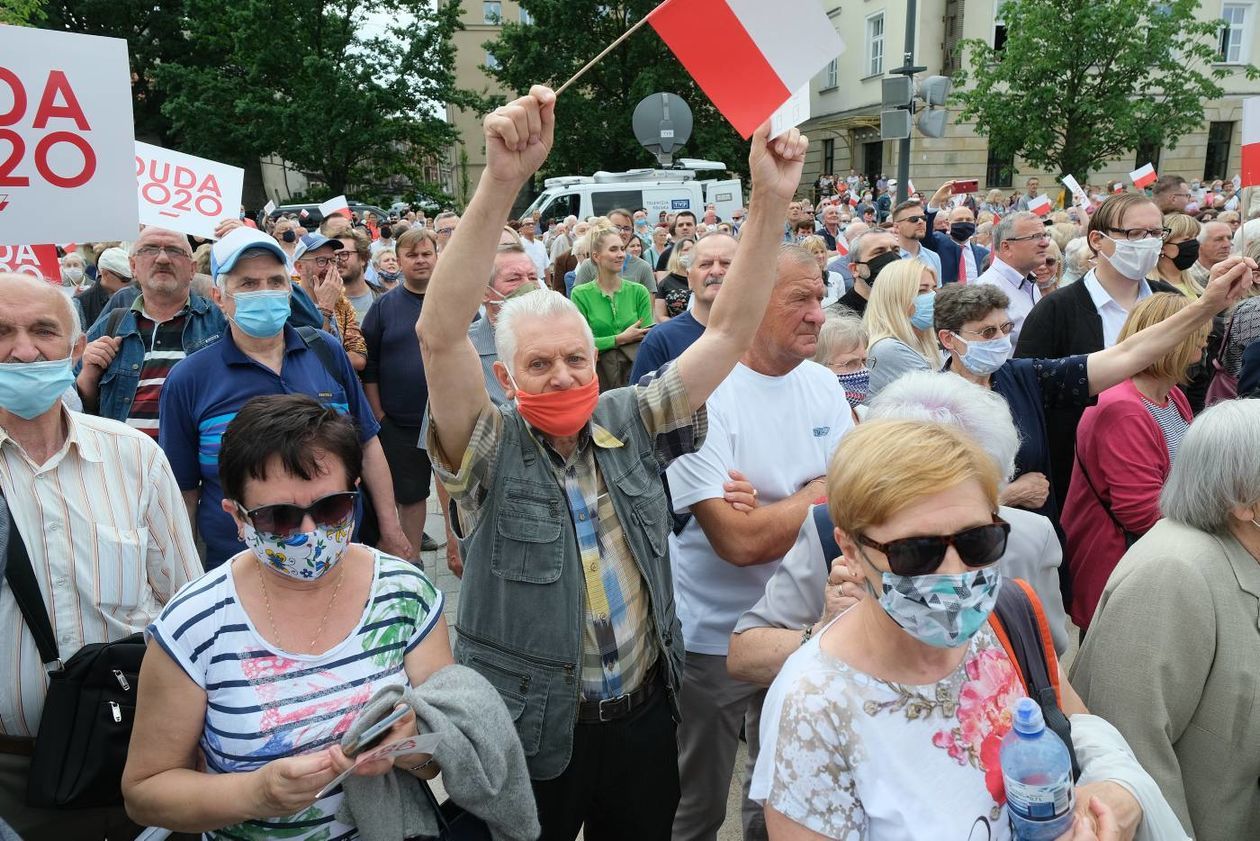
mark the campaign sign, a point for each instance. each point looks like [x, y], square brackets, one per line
[66, 138]
[186, 194]
[36, 260]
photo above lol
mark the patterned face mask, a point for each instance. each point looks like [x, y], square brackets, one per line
[303, 556]
[943, 610]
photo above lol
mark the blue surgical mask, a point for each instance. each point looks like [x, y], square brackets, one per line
[984, 358]
[28, 389]
[941, 610]
[924, 308]
[261, 314]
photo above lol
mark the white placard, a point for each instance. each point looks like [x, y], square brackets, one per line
[791, 113]
[66, 138]
[184, 193]
[1074, 188]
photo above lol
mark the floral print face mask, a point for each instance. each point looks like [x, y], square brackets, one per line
[304, 555]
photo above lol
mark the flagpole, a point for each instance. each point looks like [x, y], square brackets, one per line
[605, 52]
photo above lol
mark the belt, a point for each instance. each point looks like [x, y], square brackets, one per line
[612, 709]
[17, 746]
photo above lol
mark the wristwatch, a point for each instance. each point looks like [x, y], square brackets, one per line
[806, 634]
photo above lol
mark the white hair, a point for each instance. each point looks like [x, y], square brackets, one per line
[949, 399]
[840, 331]
[542, 304]
[1076, 257]
[34, 285]
[1217, 467]
[1005, 229]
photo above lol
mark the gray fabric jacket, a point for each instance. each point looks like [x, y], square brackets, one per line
[483, 767]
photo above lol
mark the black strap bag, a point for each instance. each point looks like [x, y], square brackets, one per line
[454, 823]
[91, 703]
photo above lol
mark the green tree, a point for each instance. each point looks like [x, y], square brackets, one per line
[19, 12]
[593, 117]
[322, 83]
[155, 34]
[1081, 82]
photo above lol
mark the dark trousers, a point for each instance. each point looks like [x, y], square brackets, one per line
[622, 780]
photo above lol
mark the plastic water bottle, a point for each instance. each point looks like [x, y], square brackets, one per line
[1037, 771]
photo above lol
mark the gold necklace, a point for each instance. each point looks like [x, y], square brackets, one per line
[262, 581]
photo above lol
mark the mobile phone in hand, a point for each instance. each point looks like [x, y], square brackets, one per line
[964, 187]
[369, 738]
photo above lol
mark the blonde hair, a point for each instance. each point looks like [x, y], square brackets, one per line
[814, 244]
[1061, 233]
[676, 254]
[891, 296]
[1181, 226]
[1150, 311]
[884, 466]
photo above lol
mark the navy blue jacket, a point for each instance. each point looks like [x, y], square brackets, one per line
[950, 251]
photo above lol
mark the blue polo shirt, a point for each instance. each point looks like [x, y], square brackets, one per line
[206, 390]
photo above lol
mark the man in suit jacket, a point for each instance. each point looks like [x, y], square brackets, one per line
[956, 249]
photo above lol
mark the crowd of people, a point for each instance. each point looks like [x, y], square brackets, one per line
[839, 477]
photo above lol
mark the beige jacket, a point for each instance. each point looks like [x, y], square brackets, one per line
[1172, 659]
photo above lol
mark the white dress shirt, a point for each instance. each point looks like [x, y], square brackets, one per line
[1112, 314]
[1023, 292]
[108, 537]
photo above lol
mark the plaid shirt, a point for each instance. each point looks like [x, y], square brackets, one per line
[618, 648]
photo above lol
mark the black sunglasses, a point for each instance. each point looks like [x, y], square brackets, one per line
[976, 547]
[285, 519]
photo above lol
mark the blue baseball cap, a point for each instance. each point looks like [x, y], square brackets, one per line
[314, 242]
[225, 252]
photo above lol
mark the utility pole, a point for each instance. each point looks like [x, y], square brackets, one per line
[907, 69]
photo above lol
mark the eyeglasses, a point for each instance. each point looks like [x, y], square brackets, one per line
[343, 256]
[169, 251]
[444, 232]
[913, 220]
[991, 332]
[625, 229]
[1038, 235]
[323, 262]
[285, 519]
[1135, 234]
[976, 547]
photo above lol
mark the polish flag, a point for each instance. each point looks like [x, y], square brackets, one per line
[842, 245]
[1040, 205]
[1251, 142]
[1143, 177]
[778, 48]
[334, 206]
[305, 213]
[853, 200]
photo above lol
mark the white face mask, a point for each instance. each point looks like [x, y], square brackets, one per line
[1135, 260]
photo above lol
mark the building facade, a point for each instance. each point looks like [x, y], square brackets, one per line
[845, 99]
[482, 21]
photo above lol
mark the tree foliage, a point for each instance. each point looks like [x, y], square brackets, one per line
[593, 117]
[310, 80]
[20, 12]
[1081, 82]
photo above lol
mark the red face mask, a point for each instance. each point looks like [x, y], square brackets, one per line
[559, 413]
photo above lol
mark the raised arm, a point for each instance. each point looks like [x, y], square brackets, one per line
[1229, 282]
[518, 137]
[775, 166]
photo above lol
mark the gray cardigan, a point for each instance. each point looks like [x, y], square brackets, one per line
[1172, 659]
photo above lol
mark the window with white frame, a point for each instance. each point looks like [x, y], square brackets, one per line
[831, 74]
[526, 19]
[1235, 24]
[875, 45]
[492, 12]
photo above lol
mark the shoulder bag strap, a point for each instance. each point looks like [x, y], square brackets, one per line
[1105, 507]
[826, 534]
[113, 320]
[26, 592]
[311, 337]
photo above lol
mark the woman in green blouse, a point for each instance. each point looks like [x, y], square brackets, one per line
[618, 310]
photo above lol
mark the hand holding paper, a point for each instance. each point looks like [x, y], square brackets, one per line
[380, 760]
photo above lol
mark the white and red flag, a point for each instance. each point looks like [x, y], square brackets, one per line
[842, 245]
[335, 205]
[748, 56]
[1040, 205]
[1251, 142]
[1143, 177]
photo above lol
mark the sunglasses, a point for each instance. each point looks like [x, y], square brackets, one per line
[285, 519]
[976, 547]
[913, 220]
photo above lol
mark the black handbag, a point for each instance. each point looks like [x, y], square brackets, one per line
[83, 735]
[454, 822]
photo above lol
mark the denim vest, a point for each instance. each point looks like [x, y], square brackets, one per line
[203, 325]
[522, 608]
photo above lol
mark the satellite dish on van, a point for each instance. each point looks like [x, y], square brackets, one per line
[662, 123]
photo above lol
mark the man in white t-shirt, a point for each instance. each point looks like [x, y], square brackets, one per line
[776, 418]
[533, 246]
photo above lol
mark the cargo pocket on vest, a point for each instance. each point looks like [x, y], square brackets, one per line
[527, 534]
[524, 695]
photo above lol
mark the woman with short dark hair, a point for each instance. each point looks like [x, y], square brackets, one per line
[255, 670]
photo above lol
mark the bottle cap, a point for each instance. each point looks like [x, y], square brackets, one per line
[1027, 717]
